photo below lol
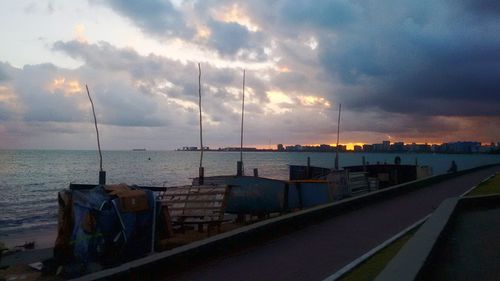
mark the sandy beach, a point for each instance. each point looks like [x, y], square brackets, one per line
[43, 237]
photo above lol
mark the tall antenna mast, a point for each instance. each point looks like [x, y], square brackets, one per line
[240, 163]
[338, 136]
[200, 170]
[102, 174]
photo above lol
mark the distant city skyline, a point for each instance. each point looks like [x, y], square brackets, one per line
[415, 71]
[384, 146]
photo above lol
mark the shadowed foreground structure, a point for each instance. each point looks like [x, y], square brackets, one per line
[315, 252]
[469, 247]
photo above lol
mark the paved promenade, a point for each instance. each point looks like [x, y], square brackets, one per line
[317, 251]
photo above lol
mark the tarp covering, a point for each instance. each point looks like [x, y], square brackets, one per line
[108, 229]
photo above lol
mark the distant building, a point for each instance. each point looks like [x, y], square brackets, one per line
[436, 148]
[418, 147]
[386, 145]
[325, 147]
[296, 147]
[358, 148]
[280, 147]
[487, 148]
[378, 147]
[239, 148]
[367, 147]
[461, 147]
[424, 148]
[398, 147]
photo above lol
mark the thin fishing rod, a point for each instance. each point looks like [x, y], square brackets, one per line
[96, 130]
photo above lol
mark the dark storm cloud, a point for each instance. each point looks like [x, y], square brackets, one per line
[228, 38]
[419, 58]
[319, 13]
[407, 62]
[158, 17]
[425, 57]
[161, 18]
[235, 40]
[484, 7]
[438, 66]
[396, 123]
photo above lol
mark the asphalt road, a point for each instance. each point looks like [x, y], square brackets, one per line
[317, 251]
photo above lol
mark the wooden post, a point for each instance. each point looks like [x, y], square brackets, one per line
[299, 191]
[241, 218]
[308, 169]
[102, 177]
[239, 171]
[285, 197]
[201, 175]
[348, 185]
[239, 168]
[396, 176]
[338, 137]
[242, 116]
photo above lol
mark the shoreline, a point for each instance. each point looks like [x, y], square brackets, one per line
[43, 237]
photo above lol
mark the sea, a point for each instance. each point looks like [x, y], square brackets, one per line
[31, 179]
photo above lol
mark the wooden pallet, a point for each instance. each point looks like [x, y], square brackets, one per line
[358, 183]
[196, 205]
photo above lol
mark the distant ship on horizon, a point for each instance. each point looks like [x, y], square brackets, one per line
[139, 149]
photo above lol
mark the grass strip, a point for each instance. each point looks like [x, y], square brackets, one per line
[491, 186]
[371, 267]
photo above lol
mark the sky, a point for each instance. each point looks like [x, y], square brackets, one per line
[405, 70]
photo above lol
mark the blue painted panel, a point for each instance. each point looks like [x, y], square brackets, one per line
[254, 195]
[314, 193]
[301, 172]
[293, 197]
